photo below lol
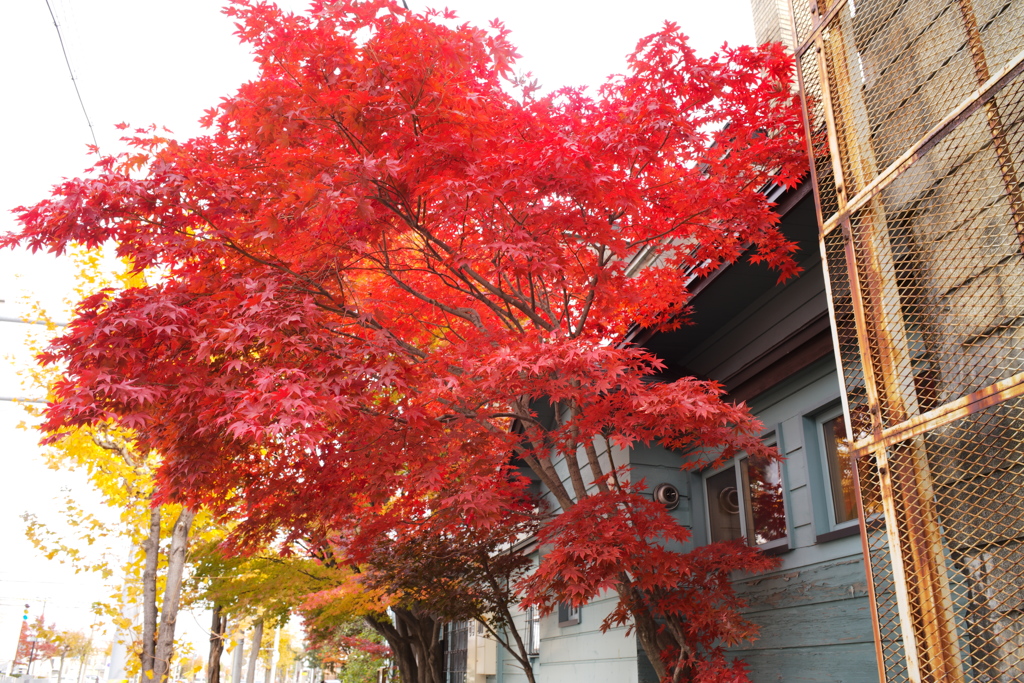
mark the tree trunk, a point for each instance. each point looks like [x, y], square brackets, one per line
[172, 596]
[402, 649]
[236, 658]
[254, 651]
[216, 645]
[415, 640]
[655, 638]
[151, 546]
[60, 671]
[272, 672]
[83, 661]
[515, 645]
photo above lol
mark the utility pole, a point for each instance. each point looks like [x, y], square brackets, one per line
[25, 321]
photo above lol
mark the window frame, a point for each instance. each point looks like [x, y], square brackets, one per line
[457, 635]
[568, 615]
[778, 545]
[835, 529]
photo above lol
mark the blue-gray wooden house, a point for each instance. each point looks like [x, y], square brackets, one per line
[770, 345]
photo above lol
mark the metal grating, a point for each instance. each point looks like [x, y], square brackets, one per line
[915, 114]
[884, 584]
[958, 509]
[803, 21]
[815, 112]
[846, 333]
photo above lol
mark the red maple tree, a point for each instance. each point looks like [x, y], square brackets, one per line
[388, 251]
[37, 642]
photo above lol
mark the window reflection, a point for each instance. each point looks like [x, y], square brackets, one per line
[768, 514]
[745, 501]
[840, 470]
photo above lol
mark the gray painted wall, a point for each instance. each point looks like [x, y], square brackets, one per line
[813, 610]
[577, 653]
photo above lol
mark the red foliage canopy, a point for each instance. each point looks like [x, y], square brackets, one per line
[386, 249]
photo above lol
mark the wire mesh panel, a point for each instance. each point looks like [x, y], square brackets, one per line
[815, 112]
[803, 20]
[965, 596]
[845, 322]
[884, 584]
[915, 114]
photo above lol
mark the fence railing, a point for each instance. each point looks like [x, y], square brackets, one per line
[914, 112]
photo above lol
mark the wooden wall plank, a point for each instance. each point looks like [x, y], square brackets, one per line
[825, 582]
[854, 663]
[817, 625]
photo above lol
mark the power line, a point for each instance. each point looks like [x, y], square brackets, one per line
[28, 321]
[74, 81]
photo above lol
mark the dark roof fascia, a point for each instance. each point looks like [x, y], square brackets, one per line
[785, 200]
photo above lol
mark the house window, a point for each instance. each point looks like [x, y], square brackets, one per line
[745, 501]
[567, 614]
[532, 631]
[839, 466]
[456, 648]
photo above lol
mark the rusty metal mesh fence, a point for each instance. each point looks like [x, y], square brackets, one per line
[957, 511]
[846, 329]
[915, 114]
[803, 21]
[814, 108]
[884, 584]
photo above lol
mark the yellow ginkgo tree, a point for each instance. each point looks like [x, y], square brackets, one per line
[149, 540]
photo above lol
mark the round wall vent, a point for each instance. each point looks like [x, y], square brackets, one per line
[667, 495]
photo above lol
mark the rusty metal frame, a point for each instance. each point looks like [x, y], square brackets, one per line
[815, 40]
[1004, 390]
[913, 509]
[911, 646]
[934, 634]
[833, 327]
[830, 125]
[819, 21]
[995, 120]
[979, 98]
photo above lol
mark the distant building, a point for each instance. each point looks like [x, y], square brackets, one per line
[773, 23]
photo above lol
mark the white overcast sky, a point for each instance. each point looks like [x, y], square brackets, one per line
[149, 61]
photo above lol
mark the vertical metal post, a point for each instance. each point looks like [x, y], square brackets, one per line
[912, 522]
[808, 135]
[995, 120]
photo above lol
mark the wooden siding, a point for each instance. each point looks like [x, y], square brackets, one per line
[767, 322]
[814, 665]
[815, 624]
[812, 610]
[578, 653]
